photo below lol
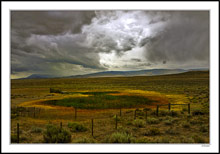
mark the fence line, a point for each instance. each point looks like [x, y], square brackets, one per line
[35, 112]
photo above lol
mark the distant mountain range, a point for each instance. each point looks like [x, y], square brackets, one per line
[130, 73]
[39, 76]
[150, 72]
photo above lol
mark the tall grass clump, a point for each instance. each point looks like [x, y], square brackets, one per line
[76, 127]
[36, 130]
[139, 123]
[54, 134]
[152, 121]
[120, 137]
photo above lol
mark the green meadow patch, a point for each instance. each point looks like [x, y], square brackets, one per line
[101, 100]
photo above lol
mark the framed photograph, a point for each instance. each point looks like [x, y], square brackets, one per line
[110, 76]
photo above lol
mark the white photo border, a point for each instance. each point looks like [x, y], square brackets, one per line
[214, 76]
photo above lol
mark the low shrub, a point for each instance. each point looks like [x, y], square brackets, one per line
[76, 127]
[54, 134]
[120, 137]
[152, 120]
[36, 130]
[123, 130]
[139, 123]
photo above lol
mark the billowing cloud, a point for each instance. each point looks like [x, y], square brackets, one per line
[65, 43]
[120, 31]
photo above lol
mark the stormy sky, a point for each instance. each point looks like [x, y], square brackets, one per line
[63, 43]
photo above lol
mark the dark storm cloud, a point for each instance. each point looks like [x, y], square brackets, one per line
[42, 38]
[68, 42]
[185, 38]
[49, 22]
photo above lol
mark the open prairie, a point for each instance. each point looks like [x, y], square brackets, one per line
[142, 109]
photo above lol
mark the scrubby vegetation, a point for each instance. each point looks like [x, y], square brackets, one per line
[55, 135]
[101, 99]
[36, 130]
[119, 137]
[152, 120]
[77, 127]
[139, 123]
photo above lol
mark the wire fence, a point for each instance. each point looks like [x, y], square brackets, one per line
[90, 116]
[72, 113]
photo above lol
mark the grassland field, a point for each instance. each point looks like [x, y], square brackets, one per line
[101, 99]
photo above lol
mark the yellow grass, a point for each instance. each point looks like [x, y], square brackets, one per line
[38, 103]
[161, 98]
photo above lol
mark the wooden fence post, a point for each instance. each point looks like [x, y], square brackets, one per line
[189, 108]
[116, 122]
[169, 106]
[17, 132]
[92, 127]
[157, 111]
